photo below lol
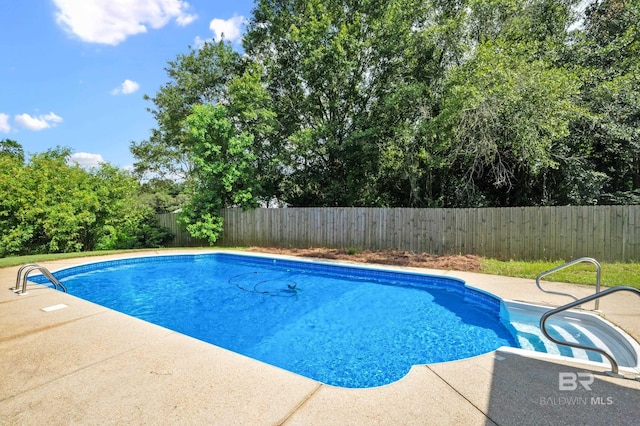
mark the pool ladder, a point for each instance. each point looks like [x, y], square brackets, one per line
[576, 303]
[23, 274]
[543, 321]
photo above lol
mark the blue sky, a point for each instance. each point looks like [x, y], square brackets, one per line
[73, 72]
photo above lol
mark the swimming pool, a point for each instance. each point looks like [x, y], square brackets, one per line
[341, 325]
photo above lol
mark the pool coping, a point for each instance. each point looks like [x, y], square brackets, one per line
[88, 364]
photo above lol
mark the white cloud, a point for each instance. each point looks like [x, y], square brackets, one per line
[126, 88]
[38, 123]
[184, 20]
[112, 21]
[231, 29]
[85, 159]
[5, 127]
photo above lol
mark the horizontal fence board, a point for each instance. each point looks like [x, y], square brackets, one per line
[607, 233]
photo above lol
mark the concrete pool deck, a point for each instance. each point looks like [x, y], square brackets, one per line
[86, 364]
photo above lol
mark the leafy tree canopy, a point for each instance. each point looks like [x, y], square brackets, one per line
[409, 103]
[12, 149]
[224, 170]
[49, 206]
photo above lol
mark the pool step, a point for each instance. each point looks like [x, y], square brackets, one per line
[575, 327]
[531, 338]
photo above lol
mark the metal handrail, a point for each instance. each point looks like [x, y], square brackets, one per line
[566, 265]
[22, 268]
[546, 315]
[35, 267]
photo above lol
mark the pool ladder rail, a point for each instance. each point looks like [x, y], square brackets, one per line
[566, 265]
[23, 274]
[576, 303]
[543, 320]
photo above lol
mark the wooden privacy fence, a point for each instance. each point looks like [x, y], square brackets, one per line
[607, 233]
[181, 237]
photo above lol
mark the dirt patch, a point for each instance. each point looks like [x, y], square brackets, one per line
[385, 257]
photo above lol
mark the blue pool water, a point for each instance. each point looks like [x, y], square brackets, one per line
[344, 326]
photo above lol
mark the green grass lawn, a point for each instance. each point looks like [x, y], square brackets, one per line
[6, 262]
[613, 274]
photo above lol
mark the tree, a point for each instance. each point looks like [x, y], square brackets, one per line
[54, 207]
[334, 71]
[249, 107]
[123, 220]
[49, 206]
[502, 116]
[422, 41]
[163, 195]
[12, 149]
[196, 78]
[11, 175]
[419, 103]
[224, 168]
[356, 87]
[608, 49]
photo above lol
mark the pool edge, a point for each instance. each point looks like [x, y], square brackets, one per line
[476, 391]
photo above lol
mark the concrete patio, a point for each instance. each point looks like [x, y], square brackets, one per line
[86, 364]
